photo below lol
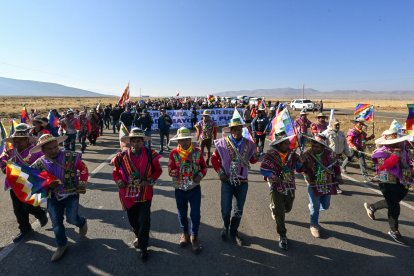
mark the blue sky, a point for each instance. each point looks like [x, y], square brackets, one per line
[200, 47]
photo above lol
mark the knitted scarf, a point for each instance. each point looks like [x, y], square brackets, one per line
[184, 153]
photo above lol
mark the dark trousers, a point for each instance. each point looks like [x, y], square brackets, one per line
[22, 211]
[70, 142]
[362, 164]
[232, 197]
[281, 204]
[139, 217]
[260, 141]
[393, 194]
[183, 198]
[82, 139]
[164, 134]
[107, 122]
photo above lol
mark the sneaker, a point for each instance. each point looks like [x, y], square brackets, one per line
[22, 235]
[83, 230]
[238, 239]
[135, 243]
[315, 231]
[338, 190]
[184, 239]
[58, 253]
[271, 211]
[224, 234]
[396, 236]
[195, 245]
[370, 211]
[283, 243]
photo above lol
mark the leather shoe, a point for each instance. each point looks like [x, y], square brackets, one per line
[195, 244]
[135, 243]
[144, 255]
[43, 221]
[184, 239]
[58, 253]
[83, 230]
[224, 233]
[21, 235]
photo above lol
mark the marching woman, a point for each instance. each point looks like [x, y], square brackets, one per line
[187, 167]
[395, 173]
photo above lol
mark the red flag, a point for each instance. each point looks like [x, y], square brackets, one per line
[124, 97]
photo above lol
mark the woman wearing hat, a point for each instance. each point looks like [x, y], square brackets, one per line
[320, 125]
[187, 167]
[20, 155]
[278, 168]
[394, 173]
[72, 172]
[206, 133]
[39, 126]
[321, 174]
[356, 138]
[135, 171]
[231, 160]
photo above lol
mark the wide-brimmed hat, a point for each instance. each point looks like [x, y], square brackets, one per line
[320, 138]
[45, 139]
[20, 131]
[70, 111]
[334, 122]
[135, 133]
[206, 113]
[236, 122]
[358, 120]
[280, 137]
[42, 121]
[321, 115]
[182, 133]
[303, 113]
[389, 132]
[388, 140]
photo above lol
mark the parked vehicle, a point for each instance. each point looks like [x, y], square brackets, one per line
[299, 104]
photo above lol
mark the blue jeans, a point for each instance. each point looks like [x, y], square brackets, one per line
[236, 196]
[182, 198]
[317, 202]
[56, 209]
[148, 134]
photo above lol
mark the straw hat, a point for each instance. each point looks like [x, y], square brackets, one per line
[388, 140]
[40, 120]
[358, 120]
[20, 131]
[135, 133]
[321, 115]
[45, 139]
[335, 122]
[303, 112]
[320, 138]
[182, 133]
[389, 132]
[280, 137]
[206, 113]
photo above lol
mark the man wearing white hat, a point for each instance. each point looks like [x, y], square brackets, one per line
[322, 173]
[19, 154]
[335, 139]
[394, 173]
[206, 133]
[356, 138]
[278, 168]
[72, 173]
[187, 167]
[135, 171]
[231, 160]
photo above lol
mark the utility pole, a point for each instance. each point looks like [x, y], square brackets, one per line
[303, 91]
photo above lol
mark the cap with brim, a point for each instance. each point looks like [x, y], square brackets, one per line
[182, 133]
[280, 137]
[358, 120]
[40, 120]
[45, 139]
[21, 131]
[384, 140]
[135, 133]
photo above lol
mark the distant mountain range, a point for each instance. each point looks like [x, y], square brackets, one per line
[13, 87]
[292, 93]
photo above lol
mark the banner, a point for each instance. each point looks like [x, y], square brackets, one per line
[182, 118]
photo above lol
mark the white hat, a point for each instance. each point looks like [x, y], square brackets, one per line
[135, 133]
[386, 140]
[45, 139]
[182, 133]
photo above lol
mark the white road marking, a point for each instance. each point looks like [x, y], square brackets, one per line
[376, 191]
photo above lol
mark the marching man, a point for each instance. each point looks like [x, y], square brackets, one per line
[187, 167]
[206, 132]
